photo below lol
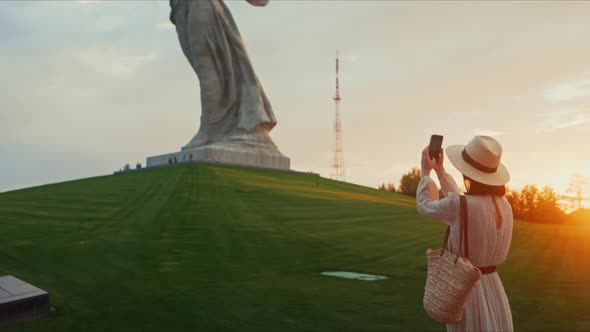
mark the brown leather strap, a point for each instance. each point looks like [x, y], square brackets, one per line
[446, 240]
[487, 269]
[461, 227]
[464, 229]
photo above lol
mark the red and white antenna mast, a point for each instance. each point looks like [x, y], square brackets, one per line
[337, 159]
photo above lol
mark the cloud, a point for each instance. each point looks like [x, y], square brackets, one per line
[568, 91]
[487, 132]
[110, 23]
[560, 119]
[112, 61]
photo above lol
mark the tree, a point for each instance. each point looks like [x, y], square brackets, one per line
[391, 188]
[576, 191]
[530, 201]
[536, 205]
[409, 182]
[548, 209]
[514, 199]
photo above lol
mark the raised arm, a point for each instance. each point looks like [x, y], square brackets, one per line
[427, 200]
[447, 182]
[258, 3]
[429, 204]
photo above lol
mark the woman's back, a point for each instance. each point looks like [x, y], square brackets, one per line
[489, 232]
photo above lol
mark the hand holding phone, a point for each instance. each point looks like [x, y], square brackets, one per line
[435, 146]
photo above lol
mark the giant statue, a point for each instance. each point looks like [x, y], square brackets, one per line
[236, 115]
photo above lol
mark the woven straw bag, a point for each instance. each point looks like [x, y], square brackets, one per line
[450, 277]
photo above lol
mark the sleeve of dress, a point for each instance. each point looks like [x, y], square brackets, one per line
[429, 205]
[448, 185]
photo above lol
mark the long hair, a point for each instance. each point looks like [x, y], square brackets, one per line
[477, 188]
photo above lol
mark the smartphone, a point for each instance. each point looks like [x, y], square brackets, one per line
[435, 146]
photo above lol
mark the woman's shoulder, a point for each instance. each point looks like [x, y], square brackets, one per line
[479, 200]
[484, 200]
[455, 200]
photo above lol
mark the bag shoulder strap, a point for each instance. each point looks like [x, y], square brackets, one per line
[446, 240]
[462, 229]
[464, 223]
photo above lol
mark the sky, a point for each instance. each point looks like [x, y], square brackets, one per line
[87, 86]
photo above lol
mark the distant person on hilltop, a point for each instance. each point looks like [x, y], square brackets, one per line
[489, 217]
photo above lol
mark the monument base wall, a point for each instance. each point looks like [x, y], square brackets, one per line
[20, 301]
[225, 154]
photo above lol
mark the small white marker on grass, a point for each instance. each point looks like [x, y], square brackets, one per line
[353, 275]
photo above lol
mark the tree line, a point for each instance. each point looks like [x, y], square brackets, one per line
[542, 205]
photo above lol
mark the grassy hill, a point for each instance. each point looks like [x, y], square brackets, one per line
[201, 247]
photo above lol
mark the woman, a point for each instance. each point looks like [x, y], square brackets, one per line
[234, 107]
[490, 224]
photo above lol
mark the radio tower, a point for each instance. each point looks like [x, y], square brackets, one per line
[337, 161]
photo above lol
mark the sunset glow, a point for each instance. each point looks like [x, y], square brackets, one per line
[90, 85]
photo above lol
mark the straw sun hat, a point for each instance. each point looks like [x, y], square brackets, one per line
[480, 160]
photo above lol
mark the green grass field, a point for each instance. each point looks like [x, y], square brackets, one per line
[212, 248]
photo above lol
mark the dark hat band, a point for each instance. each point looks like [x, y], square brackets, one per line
[477, 165]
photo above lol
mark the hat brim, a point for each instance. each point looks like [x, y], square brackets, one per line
[498, 178]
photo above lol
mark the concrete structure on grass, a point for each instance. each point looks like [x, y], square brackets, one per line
[21, 302]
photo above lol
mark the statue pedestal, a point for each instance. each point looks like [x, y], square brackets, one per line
[226, 154]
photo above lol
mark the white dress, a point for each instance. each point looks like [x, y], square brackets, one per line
[487, 306]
